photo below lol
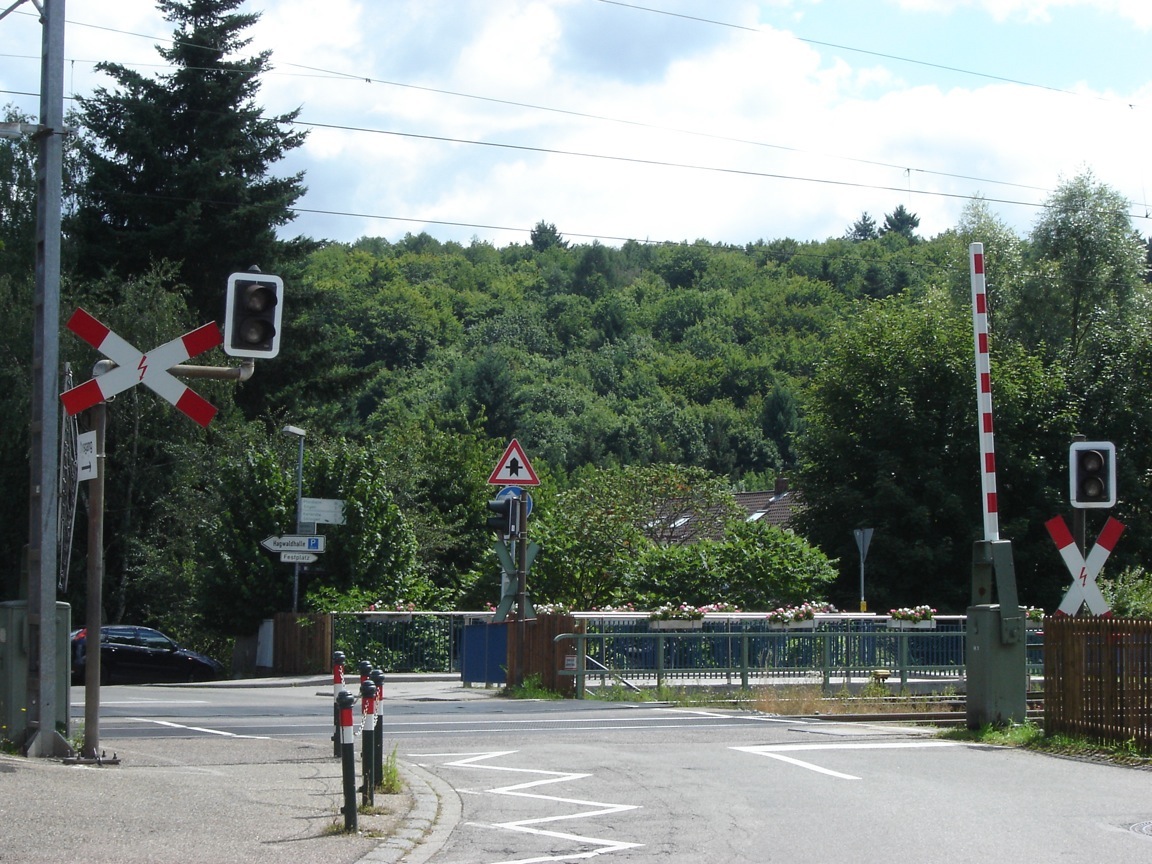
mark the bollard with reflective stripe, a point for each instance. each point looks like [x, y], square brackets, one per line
[377, 677]
[368, 747]
[344, 703]
[337, 686]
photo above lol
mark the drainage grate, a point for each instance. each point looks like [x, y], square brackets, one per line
[1143, 828]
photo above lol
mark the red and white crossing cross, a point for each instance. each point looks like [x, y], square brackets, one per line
[134, 367]
[1084, 570]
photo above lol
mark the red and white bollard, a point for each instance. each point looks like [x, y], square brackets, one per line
[338, 686]
[344, 703]
[368, 739]
[377, 677]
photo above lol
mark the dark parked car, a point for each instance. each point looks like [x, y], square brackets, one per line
[141, 655]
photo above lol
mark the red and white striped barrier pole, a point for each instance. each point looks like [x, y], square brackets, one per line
[344, 703]
[984, 393]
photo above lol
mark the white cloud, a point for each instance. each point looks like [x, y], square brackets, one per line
[1138, 12]
[822, 134]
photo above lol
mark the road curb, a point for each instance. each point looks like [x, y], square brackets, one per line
[435, 812]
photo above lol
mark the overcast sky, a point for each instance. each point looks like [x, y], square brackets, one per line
[726, 120]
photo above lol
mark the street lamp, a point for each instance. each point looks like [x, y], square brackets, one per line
[298, 433]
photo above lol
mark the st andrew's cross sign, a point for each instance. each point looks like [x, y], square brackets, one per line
[135, 367]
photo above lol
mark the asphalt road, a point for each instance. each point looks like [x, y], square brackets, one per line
[560, 781]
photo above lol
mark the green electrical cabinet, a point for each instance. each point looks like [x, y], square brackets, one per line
[14, 668]
[997, 671]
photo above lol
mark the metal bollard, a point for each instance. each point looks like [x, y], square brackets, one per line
[377, 677]
[344, 703]
[368, 747]
[337, 687]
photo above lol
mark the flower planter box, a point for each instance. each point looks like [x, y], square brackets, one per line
[901, 624]
[675, 624]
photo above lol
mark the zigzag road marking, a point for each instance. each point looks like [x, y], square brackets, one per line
[530, 826]
[776, 751]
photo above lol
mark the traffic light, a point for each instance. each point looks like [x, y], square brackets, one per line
[1092, 474]
[252, 315]
[507, 512]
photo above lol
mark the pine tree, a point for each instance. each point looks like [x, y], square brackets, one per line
[901, 221]
[177, 167]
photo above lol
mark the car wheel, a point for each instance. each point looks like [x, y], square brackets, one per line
[105, 674]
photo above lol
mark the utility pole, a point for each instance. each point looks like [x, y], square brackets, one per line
[42, 738]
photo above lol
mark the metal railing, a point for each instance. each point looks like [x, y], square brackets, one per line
[404, 642]
[745, 657]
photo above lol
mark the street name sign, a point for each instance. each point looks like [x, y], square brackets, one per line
[294, 543]
[299, 557]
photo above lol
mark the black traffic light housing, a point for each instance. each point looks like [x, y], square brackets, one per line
[1092, 474]
[507, 516]
[252, 315]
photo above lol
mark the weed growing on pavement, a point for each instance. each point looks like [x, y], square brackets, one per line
[617, 692]
[390, 782]
[76, 739]
[532, 688]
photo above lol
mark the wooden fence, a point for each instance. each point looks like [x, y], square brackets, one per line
[1098, 679]
[541, 653]
[302, 644]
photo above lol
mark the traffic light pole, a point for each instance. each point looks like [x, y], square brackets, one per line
[521, 585]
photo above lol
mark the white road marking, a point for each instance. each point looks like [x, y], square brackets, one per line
[203, 729]
[527, 826]
[776, 751]
[139, 702]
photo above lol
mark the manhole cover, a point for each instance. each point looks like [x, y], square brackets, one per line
[1143, 828]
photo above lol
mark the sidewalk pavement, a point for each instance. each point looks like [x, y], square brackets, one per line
[210, 800]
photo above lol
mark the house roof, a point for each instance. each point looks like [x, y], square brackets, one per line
[775, 508]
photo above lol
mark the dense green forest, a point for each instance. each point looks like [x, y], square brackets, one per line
[642, 379]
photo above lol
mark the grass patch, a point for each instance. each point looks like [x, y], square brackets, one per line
[874, 697]
[784, 699]
[1030, 736]
[532, 688]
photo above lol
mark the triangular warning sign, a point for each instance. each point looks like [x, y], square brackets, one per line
[514, 469]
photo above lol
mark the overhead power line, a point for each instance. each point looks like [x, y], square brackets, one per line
[865, 51]
[745, 172]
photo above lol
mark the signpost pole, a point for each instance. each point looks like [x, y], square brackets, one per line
[521, 585]
[299, 433]
[95, 601]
